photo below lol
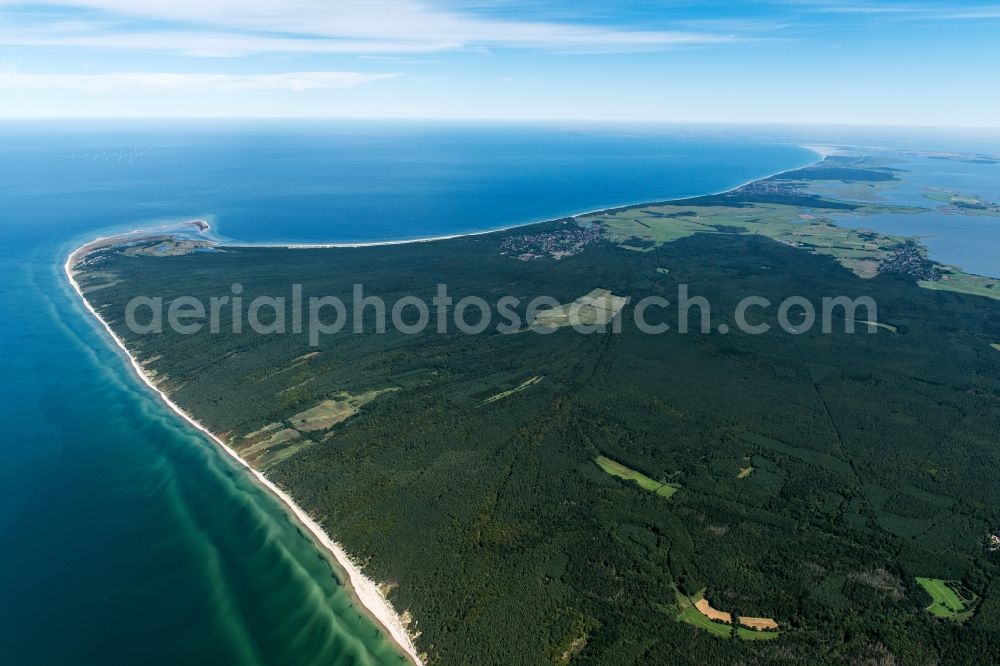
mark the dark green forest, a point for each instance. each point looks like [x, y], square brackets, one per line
[875, 455]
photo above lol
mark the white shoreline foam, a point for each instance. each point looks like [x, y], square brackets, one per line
[363, 588]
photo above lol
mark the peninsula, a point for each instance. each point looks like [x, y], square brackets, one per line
[527, 496]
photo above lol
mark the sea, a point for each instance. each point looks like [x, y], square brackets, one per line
[126, 537]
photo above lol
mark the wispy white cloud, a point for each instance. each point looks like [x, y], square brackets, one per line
[171, 81]
[216, 44]
[973, 14]
[903, 9]
[235, 27]
[868, 8]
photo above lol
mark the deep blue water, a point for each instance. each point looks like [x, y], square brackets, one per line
[126, 537]
[351, 182]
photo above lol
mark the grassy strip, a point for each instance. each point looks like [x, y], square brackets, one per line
[517, 389]
[695, 618]
[874, 324]
[754, 635]
[622, 472]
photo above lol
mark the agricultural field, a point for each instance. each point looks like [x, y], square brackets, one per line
[713, 614]
[759, 623]
[698, 612]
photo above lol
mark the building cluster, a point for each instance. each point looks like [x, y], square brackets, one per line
[769, 187]
[909, 259]
[555, 244]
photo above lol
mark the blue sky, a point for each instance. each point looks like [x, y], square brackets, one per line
[805, 61]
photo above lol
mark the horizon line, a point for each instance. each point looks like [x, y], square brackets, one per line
[499, 120]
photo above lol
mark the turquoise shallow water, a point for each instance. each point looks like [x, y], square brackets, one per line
[127, 538]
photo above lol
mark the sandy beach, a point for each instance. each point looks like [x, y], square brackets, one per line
[364, 590]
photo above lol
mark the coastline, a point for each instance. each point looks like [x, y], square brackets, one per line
[364, 591]
[822, 152]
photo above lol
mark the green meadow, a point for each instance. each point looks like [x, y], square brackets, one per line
[946, 601]
[695, 618]
[622, 472]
